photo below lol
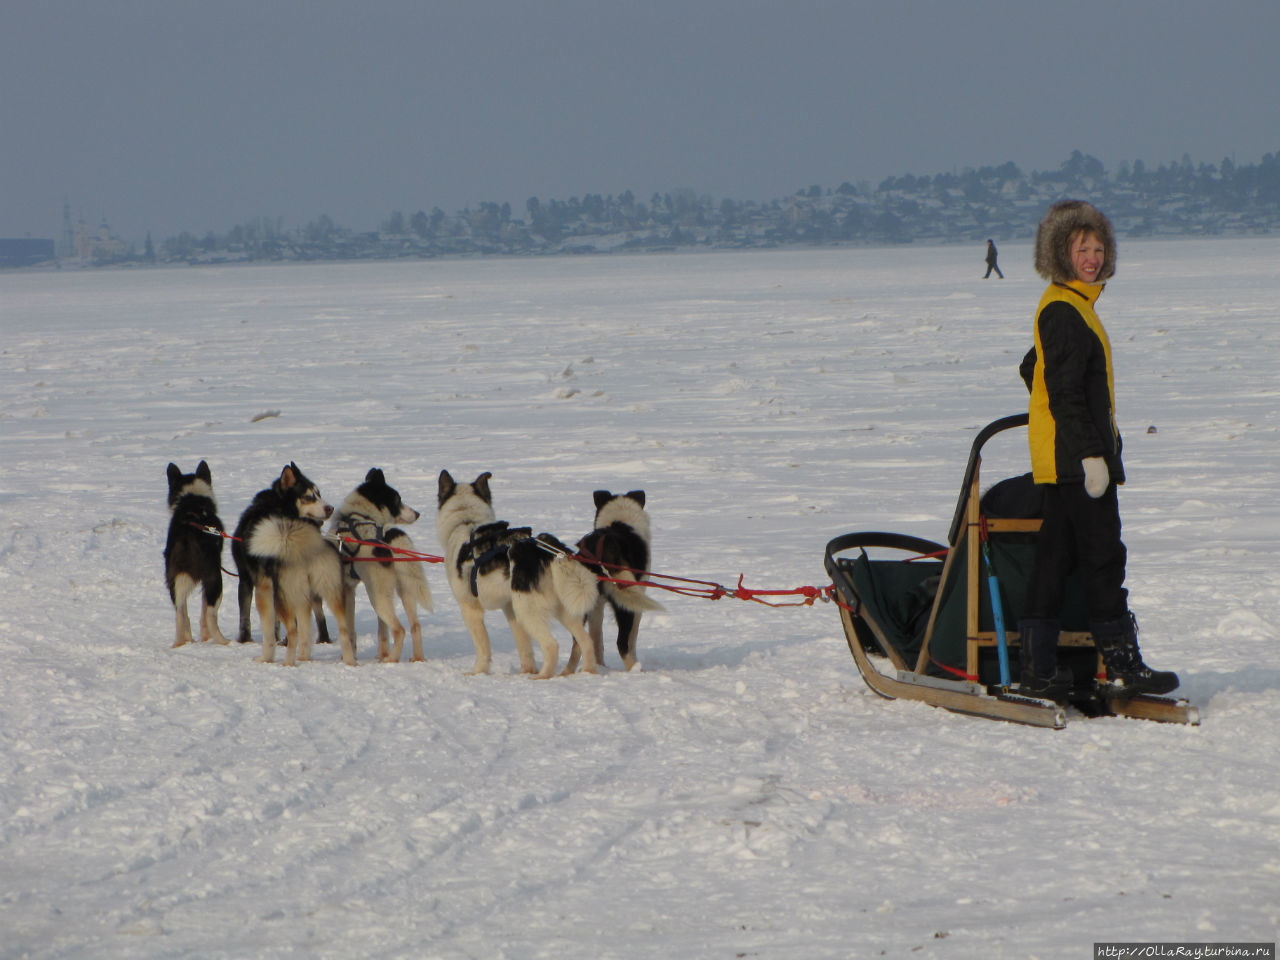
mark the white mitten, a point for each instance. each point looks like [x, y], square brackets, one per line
[1096, 476]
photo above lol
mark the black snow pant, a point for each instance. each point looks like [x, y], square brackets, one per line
[1080, 534]
[992, 266]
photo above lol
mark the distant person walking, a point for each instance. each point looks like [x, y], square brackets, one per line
[991, 262]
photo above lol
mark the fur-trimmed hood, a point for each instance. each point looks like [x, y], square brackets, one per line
[1053, 240]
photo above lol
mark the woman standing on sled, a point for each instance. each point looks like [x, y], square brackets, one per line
[1075, 460]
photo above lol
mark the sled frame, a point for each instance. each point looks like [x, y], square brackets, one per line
[967, 694]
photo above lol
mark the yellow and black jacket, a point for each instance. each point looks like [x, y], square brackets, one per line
[1069, 374]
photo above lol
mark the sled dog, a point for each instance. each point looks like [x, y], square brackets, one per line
[265, 503]
[369, 542]
[292, 564]
[475, 548]
[548, 581]
[617, 549]
[193, 556]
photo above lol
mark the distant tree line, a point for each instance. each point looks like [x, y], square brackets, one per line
[1173, 199]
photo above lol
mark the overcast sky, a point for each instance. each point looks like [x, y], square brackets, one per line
[171, 115]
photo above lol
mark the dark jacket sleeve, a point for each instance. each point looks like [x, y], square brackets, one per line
[1071, 355]
[1027, 368]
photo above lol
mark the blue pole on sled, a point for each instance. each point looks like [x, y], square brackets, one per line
[997, 610]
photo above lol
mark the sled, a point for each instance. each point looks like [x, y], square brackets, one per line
[928, 612]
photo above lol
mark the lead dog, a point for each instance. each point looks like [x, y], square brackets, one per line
[617, 549]
[192, 553]
[476, 548]
[375, 552]
[292, 564]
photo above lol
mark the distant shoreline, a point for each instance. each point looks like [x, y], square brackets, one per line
[1021, 243]
[1001, 203]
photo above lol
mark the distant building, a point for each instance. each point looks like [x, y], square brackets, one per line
[24, 252]
[99, 245]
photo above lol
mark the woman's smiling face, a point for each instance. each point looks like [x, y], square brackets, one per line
[1087, 256]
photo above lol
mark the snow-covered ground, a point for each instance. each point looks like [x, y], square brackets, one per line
[745, 795]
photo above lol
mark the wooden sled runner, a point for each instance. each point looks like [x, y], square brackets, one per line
[927, 609]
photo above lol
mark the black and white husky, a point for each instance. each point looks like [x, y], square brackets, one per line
[532, 580]
[291, 564]
[548, 582]
[192, 554]
[476, 555]
[617, 550]
[370, 544]
[249, 569]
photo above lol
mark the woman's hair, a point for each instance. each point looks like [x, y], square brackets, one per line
[1053, 240]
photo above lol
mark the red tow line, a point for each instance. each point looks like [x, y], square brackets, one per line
[709, 589]
[403, 555]
[684, 586]
[406, 555]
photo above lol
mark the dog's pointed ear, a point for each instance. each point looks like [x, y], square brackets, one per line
[482, 487]
[446, 486]
[288, 476]
[637, 496]
[203, 472]
[173, 472]
[375, 476]
[601, 497]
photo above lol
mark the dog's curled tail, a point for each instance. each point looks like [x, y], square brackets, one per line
[575, 585]
[280, 538]
[633, 598]
[415, 586]
[411, 581]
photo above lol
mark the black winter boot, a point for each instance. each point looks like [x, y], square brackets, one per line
[1041, 676]
[1117, 641]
